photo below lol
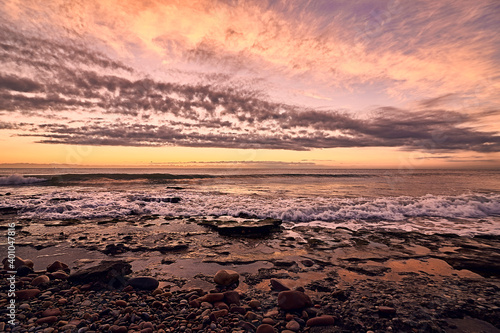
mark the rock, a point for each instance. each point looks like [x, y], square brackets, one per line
[24, 270]
[39, 280]
[110, 272]
[293, 300]
[58, 266]
[254, 304]
[293, 326]
[144, 283]
[247, 228]
[51, 312]
[323, 320]
[18, 262]
[232, 297]
[284, 263]
[307, 262]
[59, 275]
[386, 310]
[114, 249]
[47, 320]
[226, 277]
[265, 328]
[276, 285]
[211, 297]
[121, 303]
[219, 313]
[27, 294]
[118, 329]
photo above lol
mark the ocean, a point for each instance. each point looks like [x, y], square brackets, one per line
[463, 202]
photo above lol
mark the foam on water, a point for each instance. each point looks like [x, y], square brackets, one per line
[462, 214]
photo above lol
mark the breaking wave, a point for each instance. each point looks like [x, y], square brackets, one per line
[20, 180]
[477, 210]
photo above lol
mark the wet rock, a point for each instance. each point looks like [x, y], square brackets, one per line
[323, 320]
[39, 280]
[293, 326]
[293, 300]
[226, 277]
[248, 228]
[110, 272]
[144, 283]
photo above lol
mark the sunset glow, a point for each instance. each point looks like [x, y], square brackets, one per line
[344, 84]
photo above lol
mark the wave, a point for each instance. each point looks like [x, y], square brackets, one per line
[20, 180]
[477, 210]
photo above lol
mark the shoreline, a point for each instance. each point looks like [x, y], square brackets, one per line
[428, 283]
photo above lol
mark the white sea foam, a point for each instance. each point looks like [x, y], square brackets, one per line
[462, 214]
[19, 180]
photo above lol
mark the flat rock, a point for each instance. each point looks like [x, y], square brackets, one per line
[247, 228]
[293, 300]
[277, 285]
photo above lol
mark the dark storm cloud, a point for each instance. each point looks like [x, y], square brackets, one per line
[61, 77]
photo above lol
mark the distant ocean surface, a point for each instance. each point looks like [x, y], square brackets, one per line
[464, 202]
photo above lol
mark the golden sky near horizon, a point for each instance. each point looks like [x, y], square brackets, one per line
[339, 83]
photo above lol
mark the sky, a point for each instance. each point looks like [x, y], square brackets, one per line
[343, 84]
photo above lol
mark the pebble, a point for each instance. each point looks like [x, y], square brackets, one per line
[51, 312]
[265, 328]
[323, 320]
[46, 320]
[254, 304]
[293, 326]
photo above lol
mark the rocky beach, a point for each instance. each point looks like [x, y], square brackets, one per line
[155, 273]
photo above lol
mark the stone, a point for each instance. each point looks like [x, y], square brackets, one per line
[232, 297]
[27, 294]
[211, 297]
[307, 262]
[51, 312]
[144, 283]
[107, 271]
[219, 313]
[226, 277]
[24, 270]
[118, 329]
[293, 300]
[387, 310]
[324, 320]
[58, 266]
[59, 275]
[292, 325]
[121, 303]
[277, 285]
[39, 280]
[265, 328]
[18, 262]
[46, 320]
[247, 228]
[254, 304]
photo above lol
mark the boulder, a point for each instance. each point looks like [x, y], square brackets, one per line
[226, 277]
[293, 300]
[18, 262]
[144, 283]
